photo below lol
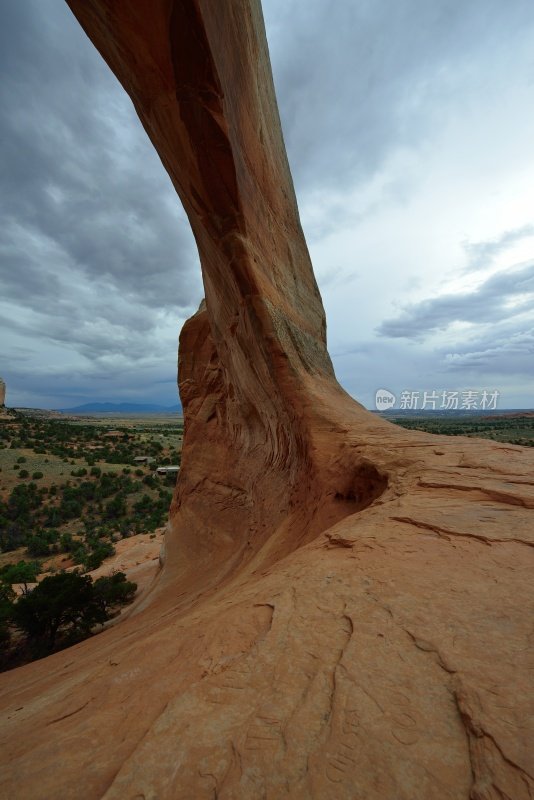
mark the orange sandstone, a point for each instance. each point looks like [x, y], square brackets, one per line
[345, 606]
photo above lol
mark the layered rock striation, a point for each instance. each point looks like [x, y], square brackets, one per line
[344, 606]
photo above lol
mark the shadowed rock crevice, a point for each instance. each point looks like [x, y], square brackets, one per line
[199, 95]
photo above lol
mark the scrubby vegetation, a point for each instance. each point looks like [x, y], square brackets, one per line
[69, 490]
[515, 429]
[61, 610]
[77, 517]
[76, 509]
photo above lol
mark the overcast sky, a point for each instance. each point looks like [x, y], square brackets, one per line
[410, 132]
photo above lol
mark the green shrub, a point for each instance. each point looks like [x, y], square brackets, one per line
[95, 558]
[115, 589]
[40, 544]
[23, 572]
[66, 542]
[64, 601]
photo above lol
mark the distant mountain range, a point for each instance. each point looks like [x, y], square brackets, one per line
[121, 408]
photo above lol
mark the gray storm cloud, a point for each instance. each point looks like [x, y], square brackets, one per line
[98, 267]
[502, 296]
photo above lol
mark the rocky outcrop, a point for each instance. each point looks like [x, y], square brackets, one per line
[2, 393]
[344, 606]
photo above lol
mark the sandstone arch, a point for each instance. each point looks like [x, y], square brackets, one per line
[334, 619]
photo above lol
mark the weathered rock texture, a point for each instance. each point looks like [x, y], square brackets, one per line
[2, 393]
[345, 608]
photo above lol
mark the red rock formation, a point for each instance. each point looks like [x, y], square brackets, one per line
[344, 607]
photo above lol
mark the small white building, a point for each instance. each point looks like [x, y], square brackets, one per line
[171, 470]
